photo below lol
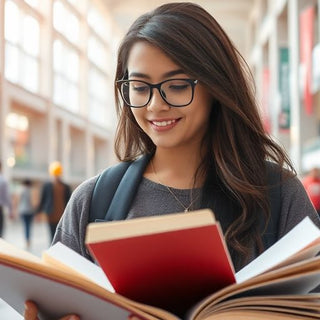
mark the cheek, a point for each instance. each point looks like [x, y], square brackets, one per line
[203, 103]
[201, 112]
[138, 115]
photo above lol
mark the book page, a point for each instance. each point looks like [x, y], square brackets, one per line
[300, 237]
[14, 252]
[27, 277]
[61, 256]
[55, 298]
[298, 279]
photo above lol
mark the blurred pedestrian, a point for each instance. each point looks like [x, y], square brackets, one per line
[5, 200]
[54, 197]
[26, 208]
[311, 183]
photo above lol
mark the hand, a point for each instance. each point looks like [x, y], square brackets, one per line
[40, 217]
[12, 216]
[31, 312]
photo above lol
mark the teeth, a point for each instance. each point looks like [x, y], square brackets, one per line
[163, 123]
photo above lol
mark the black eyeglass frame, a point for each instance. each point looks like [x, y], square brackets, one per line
[192, 82]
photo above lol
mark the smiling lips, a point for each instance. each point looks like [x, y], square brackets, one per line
[164, 124]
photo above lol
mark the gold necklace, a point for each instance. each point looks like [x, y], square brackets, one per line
[186, 209]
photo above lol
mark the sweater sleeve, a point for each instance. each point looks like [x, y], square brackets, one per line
[295, 206]
[71, 229]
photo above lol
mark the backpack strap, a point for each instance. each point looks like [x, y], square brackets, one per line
[115, 190]
[104, 190]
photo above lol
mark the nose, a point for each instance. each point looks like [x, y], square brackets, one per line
[157, 103]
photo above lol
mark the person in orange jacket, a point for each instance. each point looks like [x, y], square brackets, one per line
[54, 197]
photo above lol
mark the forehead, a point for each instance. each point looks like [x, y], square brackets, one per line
[149, 60]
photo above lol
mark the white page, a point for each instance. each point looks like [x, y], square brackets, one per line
[303, 234]
[55, 298]
[74, 260]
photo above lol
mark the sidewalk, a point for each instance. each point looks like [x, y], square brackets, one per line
[40, 241]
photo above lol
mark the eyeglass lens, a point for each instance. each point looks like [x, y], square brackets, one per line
[176, 92]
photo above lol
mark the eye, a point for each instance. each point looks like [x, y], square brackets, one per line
[139, 87]
[178, 85]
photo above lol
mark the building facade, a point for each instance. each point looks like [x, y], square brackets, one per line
[56, 66]
[57, 60]
[285, 60]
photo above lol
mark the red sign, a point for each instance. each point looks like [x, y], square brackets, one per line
[306, 43]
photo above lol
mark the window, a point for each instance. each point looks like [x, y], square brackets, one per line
[99, 23]
[66, 22]
[100, 61]
[22, 43]
[98, 96]
[32, 3]
[97, 53]
[66, 56]
[81, 63]
[66, 76]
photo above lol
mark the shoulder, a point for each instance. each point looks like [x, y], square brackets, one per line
[293, 186]
[84, 191]
[71, 228]
[286, 182]
[295, 205]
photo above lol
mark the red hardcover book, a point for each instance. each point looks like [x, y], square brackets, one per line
[170, 261]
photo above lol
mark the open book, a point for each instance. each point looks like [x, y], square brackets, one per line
[274, 286]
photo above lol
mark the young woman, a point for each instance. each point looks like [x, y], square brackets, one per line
[184, 98]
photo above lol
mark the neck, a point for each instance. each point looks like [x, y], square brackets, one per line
[175, 169]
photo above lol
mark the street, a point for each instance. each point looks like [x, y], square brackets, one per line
[39, 241]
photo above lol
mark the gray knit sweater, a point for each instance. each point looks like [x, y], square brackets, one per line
[153, 199]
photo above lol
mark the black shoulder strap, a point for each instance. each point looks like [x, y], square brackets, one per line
[104, 189]
[115, 189]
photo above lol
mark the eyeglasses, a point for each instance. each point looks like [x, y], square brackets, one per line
[175, 92]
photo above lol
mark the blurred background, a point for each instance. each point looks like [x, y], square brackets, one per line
[57, 63]
[57, 60]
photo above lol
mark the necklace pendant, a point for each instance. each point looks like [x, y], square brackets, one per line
[186, 210]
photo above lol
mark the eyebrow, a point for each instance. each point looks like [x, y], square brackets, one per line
[165, 75]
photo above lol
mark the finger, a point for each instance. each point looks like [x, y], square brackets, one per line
[70, 317]
[133, 317]
[30, 311]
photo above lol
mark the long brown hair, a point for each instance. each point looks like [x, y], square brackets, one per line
[236, 144]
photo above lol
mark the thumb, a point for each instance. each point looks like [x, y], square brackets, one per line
[30, 311]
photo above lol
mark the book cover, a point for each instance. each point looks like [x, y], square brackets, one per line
[167, 263]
